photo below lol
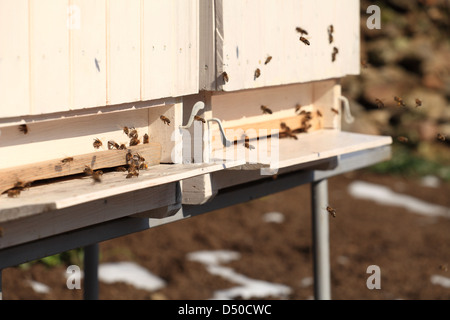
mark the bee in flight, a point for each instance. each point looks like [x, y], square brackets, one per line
[379, 103]
[331, 211]
[266, 110]
[257, 73]
[198, 118]
[304, 40]
[399, 101]
[225, 77]
[165, 120]
[268, 59]
[440, 137]
[402, 139]
[301, 31]
[330, 33]
[334, 53]
[418, 102]
[335, 110]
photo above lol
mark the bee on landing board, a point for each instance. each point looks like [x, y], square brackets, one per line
[165, 120]
[13, 193]
[268, 59]
[305, 41]
[146, 139]
[23, 128]
[97, 143]
[257, 74]
[331, 211]
[97, 176]
[266, 110]
[112, 144]
[66, 160]
[134, 141]
[126, 130]
[298, 107]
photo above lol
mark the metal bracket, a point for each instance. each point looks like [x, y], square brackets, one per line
[347, 114]
[225, 141]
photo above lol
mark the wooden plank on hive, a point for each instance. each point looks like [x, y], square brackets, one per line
[74, 165]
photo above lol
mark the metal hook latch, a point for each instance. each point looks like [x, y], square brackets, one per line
[225, 141]
[347, 114]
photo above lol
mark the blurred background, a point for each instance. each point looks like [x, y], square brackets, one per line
[262, 249]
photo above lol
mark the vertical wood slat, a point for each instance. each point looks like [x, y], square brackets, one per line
[62, 55]
[14, 58]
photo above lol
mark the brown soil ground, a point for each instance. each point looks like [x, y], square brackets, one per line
[409, 248]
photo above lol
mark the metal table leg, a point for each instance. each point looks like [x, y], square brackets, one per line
[91, 255]
[321, 243]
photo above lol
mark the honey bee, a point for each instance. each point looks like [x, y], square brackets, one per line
[66, 160]
[268, 59]
[379, 103]
[143, 166]
[126, 130]
[402, 139]
[257, 73]
[331, 211]
[440, 137]
[335, 110]
[133, 173]
[443, 267]
[134, 141]
[97, 176]
[138, 157]
[22, 185]
[334, 53]
[122, 147]
[165, 120]
[112, 145]
[12, 193]
[301, 31]
[128, 156]
[225, 77]
[319, 114]
[266, 110]
[97, 143]
[364, 63]
[399, 101]
[248, 145]
[298, 107]
[305, 41]
[88, 170]
[121, 169]
[146, 139]
[418, 102]
[330, 33]
[133, 133]
[23, 128]
[198, 118]
[283, 126]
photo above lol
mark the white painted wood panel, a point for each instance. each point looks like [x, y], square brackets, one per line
[124, 51]
[248, 32]
[14, 58]
[87, 54]
[49, 56]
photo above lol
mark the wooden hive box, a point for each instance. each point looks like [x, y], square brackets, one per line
[285, 57]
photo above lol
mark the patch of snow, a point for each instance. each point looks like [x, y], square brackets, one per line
[275, 217]
[38, 286]
[440, 280]
[385, 196]
[130, 273]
